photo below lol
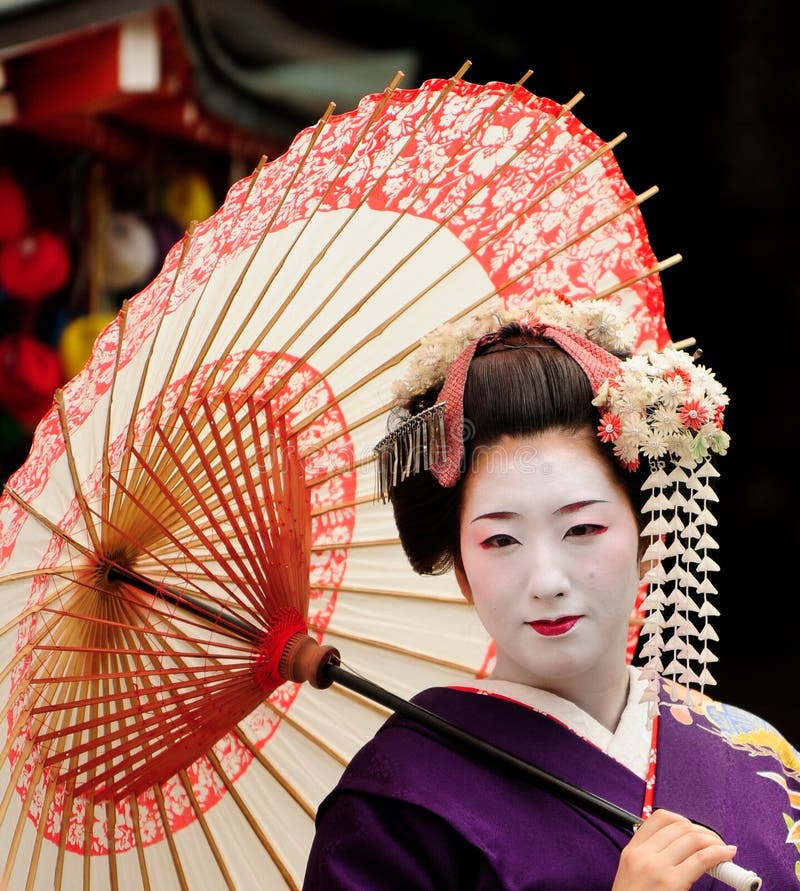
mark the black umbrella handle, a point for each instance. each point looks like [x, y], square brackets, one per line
[588, 801]
[729, 873]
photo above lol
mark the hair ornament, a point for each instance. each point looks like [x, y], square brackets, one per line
[602, 322]
[662, 405]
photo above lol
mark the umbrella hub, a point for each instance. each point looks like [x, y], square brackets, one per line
[287, 653]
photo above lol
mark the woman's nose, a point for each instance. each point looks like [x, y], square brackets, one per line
[547, 577]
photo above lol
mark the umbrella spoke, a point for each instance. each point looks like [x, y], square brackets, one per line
[169, 837]
[375, 183]
[488, 295]
[188, 242]
[204, 540]
[207, 833]
[58, 398]
[376, 643]
[257, 302]
[253, 823]
[33, 787]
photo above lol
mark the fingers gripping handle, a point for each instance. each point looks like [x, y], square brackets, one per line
[736, 876]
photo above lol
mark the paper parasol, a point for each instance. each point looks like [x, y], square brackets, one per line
[144, 746]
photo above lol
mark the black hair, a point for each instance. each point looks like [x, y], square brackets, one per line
[518, 387]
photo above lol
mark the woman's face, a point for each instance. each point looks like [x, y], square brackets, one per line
[549, 551]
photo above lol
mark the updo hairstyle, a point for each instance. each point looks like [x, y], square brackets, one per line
[522, 386]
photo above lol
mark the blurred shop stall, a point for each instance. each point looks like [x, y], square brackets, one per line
[120, 123]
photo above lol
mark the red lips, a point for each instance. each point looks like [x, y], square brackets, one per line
[553, 627]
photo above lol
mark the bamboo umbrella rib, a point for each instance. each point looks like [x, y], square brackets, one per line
[164, 740]
[250, 573]
[342, 505]
[27, 574]
[388, 592]
[279, 777]
[87, 846]
[319, 203]
[282, 484]
[137, 834]
[252, 821]
[440, 226]
[346, 355]
[267, 366]
[214, 330]
[62, 843]
[205, 672]
[204, 540]
[170, 632]
[321, 547]
[421, 189]
[48, 524]
[144, 673]
[111, 822]
[58, 399]
[126, 695]
[183, 552]
[303, 730]
[199, 688]
[277, 313]
[347, 468]
[261, 535]
[177, 351]
[14, 735]
[169, 837]
[655, 269]
[200, 816]
[35, 856]
[30, 611]
[348, 429]
[137, 401]
[106, 464]
[334, 632]
[192, 416]
[22, 818]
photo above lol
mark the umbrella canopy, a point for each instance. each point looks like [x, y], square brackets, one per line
[208, 477]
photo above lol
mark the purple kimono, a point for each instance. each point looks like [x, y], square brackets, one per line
[413, 813]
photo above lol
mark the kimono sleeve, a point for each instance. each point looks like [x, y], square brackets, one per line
[367, 842]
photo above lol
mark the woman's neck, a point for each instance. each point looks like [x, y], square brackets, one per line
[603, 701]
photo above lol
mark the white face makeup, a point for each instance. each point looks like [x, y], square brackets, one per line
[549, 549]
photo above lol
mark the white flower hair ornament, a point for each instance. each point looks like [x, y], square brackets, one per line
[660, 410]
[666, 410]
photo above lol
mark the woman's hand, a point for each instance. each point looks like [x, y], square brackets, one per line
[669, 853]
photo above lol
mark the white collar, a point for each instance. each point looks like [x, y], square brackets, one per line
[629, 743]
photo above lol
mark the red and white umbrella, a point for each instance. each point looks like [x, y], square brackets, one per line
[158, 529]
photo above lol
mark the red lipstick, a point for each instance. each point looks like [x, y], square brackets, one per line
[554, 627]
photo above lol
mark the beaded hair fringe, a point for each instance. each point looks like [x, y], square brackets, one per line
[679, 608]
[413, 446]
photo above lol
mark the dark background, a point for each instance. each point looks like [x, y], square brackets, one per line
[709, 95]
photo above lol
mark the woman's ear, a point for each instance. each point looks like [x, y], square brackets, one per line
[461, 578]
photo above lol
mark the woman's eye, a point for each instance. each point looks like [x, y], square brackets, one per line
[586, 529]
[498, 541]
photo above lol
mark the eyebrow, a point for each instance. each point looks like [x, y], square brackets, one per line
[572, 508]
